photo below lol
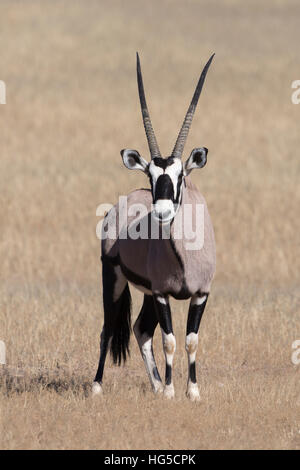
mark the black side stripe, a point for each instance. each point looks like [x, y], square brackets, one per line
[130, 275]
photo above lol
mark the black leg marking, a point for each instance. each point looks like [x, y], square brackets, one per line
[192, 372]
[164, 314]
[196, 310]
[156, 373]
[144, 329]
[147, 320]
[169, 343]
[195, 315]
[168, 374]
[103, 352]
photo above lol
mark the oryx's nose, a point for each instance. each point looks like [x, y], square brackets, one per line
[164, 215]
[164, 209]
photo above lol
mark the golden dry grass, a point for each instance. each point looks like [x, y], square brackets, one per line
[71, 106]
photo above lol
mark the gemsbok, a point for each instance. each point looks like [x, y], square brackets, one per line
[163, 263]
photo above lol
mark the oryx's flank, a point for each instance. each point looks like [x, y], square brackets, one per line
[160, 267]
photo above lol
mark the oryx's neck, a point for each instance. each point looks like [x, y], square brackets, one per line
[186, 201]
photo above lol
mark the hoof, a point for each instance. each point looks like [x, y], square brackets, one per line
[169, 392]
[158, 387]
[96, 389]
[193, 393]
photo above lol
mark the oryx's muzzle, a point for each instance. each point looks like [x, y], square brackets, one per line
[164, 210]
[163, 199]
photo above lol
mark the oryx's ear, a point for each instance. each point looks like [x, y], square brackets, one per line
[197, 159]
[133, 161]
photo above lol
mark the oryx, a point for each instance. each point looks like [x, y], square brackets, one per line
[160, 266]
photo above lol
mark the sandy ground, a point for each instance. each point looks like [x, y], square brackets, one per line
[72, 104]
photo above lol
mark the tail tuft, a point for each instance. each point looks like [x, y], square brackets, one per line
[117, 315]
[119, 346]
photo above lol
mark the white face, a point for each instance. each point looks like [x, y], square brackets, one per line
[166, 178]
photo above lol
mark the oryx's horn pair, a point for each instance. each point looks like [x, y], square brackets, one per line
[182, 136]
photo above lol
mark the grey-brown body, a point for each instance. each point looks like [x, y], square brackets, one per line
[165, 266]
[161, 241]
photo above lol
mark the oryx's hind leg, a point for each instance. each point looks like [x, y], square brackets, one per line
[196, 310]
[117, 309]
[144, 328]
[169, 343]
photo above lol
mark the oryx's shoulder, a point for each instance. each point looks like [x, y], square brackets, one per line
[140, 196]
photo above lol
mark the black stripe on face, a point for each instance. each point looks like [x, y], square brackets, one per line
[164, 188]
[163, 162]
[179, 183]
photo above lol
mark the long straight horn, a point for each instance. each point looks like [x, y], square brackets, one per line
[182, 136]
[153, 146]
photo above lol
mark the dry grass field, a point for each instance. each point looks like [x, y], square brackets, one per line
[72, 104]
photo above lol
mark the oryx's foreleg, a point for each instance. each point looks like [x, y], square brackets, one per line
[144, 328]
[168, 339]
[196, 310]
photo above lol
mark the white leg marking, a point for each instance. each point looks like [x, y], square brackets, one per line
[196, 300]
[169, 391]
[191, 345]
[145, 344]
[96, 389]
[169, 345]
[193, 392]
[150, 365]
[162, 300]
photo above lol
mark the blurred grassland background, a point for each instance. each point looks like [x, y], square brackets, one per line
[72, 104]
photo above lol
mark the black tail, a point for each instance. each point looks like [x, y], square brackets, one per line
[117, 315]
[119, 346]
